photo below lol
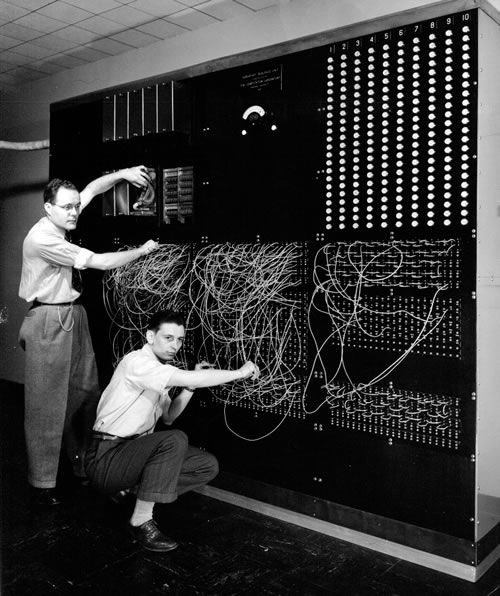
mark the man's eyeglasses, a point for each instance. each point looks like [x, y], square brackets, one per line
[69, 207]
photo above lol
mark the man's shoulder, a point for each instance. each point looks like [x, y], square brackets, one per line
[36, 227]
[134, 356]
[139, 365]
[130, 356]
[40, 232]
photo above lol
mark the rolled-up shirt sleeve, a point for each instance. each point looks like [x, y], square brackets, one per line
[150, 374]
[82, 258]
[59, 251]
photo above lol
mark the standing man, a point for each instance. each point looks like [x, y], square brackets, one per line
[61, 386]
[126, 453]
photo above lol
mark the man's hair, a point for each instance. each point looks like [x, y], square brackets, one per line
[50, 191]
[165, 316]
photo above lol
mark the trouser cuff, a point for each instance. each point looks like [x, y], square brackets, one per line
[157, 497]
[43, 483]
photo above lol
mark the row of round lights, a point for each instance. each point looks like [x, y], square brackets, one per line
[369, 117]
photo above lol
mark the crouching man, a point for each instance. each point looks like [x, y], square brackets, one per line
[126, 453]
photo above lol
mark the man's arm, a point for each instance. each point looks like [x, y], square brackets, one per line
[137, 176]
[177, 405]
[110, 260]
[208, 377]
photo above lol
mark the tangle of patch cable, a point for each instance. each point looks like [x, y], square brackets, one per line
[239, 295]
[134, 292]
[341, 273]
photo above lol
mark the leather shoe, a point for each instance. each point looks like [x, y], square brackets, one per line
[44, 497]
[149, 536]
[122, 497]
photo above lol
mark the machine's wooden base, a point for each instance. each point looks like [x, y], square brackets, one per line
[467, 572]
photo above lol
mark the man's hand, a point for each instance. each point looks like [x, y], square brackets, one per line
[148, 247]
[138, 176]
[249, 370]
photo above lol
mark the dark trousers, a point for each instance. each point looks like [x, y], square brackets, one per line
[61, 389]
[162, 465]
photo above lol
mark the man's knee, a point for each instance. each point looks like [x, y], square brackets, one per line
[212, 466]
[176, 440]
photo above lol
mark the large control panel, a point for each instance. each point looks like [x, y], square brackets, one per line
[317, 215]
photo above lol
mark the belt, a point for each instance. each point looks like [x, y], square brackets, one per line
[38, 303]
[108, 437]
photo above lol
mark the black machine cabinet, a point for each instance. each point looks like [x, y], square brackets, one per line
[317, 215]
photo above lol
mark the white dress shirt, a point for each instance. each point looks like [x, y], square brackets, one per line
[48, 259]
[136, 395]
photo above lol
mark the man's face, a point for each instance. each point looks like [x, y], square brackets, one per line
[167, 341]
[65, 210]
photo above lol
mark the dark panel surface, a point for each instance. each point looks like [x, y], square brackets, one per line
[150, 110]
[164, 107]
[259, 135]
[121, 116]
[331, 239]
[136, 113]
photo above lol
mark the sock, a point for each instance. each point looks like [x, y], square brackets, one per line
[143, 512]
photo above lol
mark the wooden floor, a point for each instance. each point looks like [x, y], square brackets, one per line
[82, 547]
